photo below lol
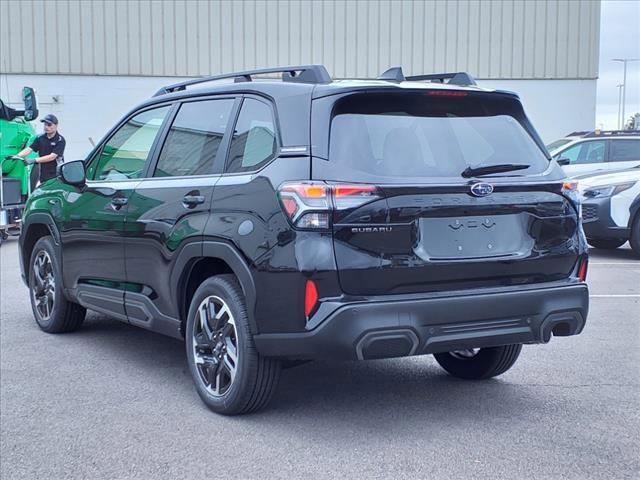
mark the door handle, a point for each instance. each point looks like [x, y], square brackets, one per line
[119, 201]
[193, 200]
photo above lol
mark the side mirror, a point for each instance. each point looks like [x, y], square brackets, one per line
[73, 173]
[563, 161]
[30, 104]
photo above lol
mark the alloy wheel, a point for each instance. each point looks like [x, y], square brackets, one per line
[215, 345]
[465, 354]
[44, 286]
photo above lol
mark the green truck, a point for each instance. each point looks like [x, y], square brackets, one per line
[16, 132]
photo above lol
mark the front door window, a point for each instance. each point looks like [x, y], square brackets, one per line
[124, 155]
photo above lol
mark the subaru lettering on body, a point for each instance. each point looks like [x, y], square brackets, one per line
[371, 229]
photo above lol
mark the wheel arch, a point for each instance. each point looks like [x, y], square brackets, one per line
[634, 211]
[36, 226]
[199, 261]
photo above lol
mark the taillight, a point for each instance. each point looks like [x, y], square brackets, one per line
[570, 190]
[309, 205]
[351, 196]
[310, 298]
[582, 270]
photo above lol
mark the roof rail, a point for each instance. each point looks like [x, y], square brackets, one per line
[578, 133]
[613, 133]
[395, 74]
[294, 73]
[456, 78]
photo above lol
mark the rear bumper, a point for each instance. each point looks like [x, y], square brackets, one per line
[395, 328]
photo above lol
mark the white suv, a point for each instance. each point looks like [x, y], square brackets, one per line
[589, 152]
[611, 208]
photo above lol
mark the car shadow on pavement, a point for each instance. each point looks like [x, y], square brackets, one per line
[144, 350]
[623, 253]
[416, 386]
[360, 393]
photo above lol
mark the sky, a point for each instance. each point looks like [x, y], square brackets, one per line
[619, 38]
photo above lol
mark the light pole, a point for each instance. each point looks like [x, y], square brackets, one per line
[624, 81]
[619, 103]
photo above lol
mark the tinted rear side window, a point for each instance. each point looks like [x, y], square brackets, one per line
[254, 139]
[625, 150]
[194, 138]
[410, 135]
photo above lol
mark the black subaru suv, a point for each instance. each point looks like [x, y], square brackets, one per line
[294, 217]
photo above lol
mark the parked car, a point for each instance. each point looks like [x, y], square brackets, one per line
[590, 152]
[611, 208]
[304, 218]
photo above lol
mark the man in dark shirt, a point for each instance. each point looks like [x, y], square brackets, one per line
[50, 147]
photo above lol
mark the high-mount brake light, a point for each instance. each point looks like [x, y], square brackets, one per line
[447, 93]
[309, 205]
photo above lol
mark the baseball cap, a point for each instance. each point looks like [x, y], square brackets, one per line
[50, 118]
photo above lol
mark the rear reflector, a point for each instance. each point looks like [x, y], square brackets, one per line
[582, 270]
[310, 298]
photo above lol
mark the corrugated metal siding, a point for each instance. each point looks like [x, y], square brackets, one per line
[490, 39]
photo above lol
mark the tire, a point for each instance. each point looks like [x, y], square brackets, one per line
[59, 315]
[481, 363]
[226, 385]
[634, 241]
[606, 243]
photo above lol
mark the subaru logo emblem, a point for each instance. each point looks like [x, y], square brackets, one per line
[481, 189]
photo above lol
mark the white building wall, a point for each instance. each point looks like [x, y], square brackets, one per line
[523, 39]
[555, 107]
[111, 54]
[88, 106]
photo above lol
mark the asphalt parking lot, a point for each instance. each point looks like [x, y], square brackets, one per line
[115, 401]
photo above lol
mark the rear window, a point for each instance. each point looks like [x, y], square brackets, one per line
[557, 144]
[412, 135]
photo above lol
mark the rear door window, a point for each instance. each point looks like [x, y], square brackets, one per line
[584, 153]
[624, 150]
[254, 138]
[194, 138]
[409, 135]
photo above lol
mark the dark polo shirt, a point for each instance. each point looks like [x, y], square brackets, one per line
[44, 146]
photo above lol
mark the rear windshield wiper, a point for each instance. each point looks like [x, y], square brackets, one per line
[489, 169]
